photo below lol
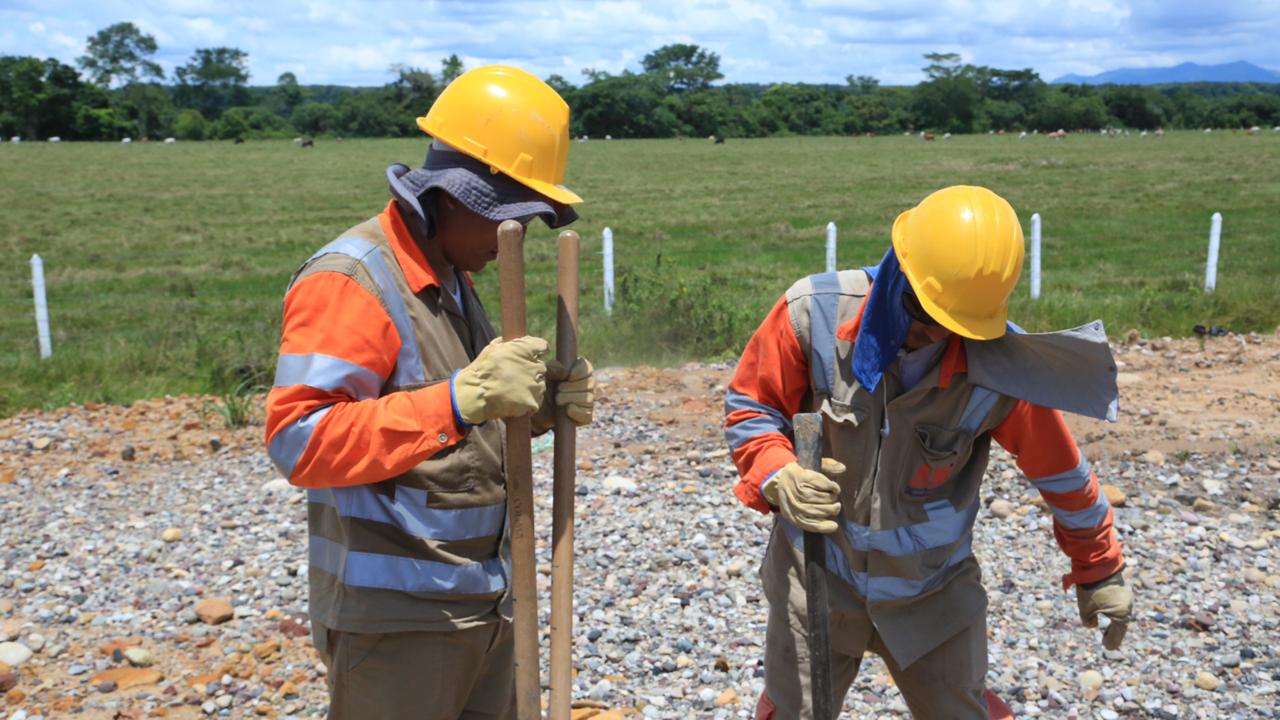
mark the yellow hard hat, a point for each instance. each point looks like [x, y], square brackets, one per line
[510, 120]
[961, 250]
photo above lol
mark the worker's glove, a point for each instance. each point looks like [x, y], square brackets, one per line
[505, 380]
[1110, 597]
[807, 499]
[575, 391]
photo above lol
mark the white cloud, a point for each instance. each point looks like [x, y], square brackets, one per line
[37, 28]
[205, 30]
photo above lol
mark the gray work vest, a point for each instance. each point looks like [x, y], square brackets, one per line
[426, 550]
[916, 458]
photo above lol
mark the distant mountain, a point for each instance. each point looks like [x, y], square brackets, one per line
[1240, 71]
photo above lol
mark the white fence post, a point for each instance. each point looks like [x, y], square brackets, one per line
[1211, 268]
[42, 306]
[1035, 256]
[831, 247]
[608, 271]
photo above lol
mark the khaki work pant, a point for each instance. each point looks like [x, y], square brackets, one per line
[946, 683]
[454, 675]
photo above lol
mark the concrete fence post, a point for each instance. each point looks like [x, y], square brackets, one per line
[608, 271]
[831, 247]
[42, 306]
[1211, 267]
[1035, 256]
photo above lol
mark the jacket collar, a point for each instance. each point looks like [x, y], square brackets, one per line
[954, 359]
[417, 271]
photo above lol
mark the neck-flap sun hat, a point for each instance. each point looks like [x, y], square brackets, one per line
[500, 145]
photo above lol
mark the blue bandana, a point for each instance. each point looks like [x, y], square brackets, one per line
[884, 323]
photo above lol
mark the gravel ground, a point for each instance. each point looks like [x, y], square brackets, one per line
[151, 564]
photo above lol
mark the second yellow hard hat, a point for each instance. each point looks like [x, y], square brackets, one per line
[961, 250]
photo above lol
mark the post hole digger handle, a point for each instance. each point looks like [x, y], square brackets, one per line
[565, 471]
[519, 461]
[808, 448]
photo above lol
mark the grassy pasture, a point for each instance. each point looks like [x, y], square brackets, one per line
[166, 265]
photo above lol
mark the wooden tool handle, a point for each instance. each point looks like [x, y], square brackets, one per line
[563, 491]
[808, 447]
[519, 461]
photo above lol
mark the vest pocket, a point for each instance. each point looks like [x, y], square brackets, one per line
[943, 451]
[450, 471]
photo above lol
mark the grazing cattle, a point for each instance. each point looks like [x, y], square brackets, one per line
[608, 137]
[946, 136]
[1254, 130]
[1159, 132]
[1022, 135]
[1208, 130]
[239, 141]
[928, 136]
[15, 140]
[170, 141]
[308, 143]
[1057, 134]
[719, 140]
[55, 139]
[126, 141]
[297, 141]
[870, 134]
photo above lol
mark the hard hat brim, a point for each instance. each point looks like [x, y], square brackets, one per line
[988, 328]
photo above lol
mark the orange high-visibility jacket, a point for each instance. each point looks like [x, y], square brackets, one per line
[773, 382]
[406, 509]
[358, 440]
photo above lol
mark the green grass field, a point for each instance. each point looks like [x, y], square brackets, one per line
[166, 264]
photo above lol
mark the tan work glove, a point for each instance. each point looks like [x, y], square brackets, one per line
[1110, 597]
[807, 499]
[507, 379]
[575, 392]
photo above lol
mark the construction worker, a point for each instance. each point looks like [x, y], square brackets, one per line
[915, 370]
[388, 402]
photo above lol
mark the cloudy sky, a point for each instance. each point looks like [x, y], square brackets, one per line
[354, 42]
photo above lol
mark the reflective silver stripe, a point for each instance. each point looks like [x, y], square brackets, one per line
[945, 526]
[975, 411]
[769, 421]
[325, 372]
[1069, 481]
[290, 442]
[740, 432]
[409, 512]
[1089, 517]
[880, 588]
[824, 306]
[406, 574]
[735, 400]
[409, 368]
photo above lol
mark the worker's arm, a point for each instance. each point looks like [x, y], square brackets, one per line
[326, 425]
[766, 390]
[1082, 518]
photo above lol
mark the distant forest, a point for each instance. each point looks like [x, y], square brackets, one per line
[118, 91]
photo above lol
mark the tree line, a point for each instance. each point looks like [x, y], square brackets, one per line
[119, 91]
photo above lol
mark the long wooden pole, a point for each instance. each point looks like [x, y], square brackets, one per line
[808, 446]
[562, 494]
[519, 459]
